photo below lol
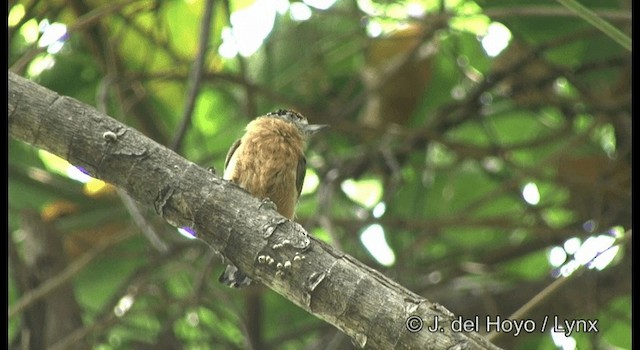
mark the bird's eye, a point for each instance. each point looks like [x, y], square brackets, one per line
[298, 116]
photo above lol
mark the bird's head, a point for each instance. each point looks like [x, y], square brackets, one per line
[298, 120]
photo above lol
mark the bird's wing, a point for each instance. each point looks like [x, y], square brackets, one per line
[228, 162]
[300, 173]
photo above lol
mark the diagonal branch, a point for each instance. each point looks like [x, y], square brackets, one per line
[369, 307]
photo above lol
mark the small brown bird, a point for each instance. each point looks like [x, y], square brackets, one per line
[269, 162]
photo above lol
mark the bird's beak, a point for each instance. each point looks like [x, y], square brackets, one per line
[311, 129]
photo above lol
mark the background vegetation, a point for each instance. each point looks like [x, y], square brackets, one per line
[479, 154]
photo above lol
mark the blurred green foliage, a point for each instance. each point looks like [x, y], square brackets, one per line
[449, 159]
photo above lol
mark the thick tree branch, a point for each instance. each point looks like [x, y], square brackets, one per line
[363, 303]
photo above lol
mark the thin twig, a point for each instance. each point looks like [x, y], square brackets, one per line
[136, 281]
[555, 286]
[196, 76]
[251, 108]
[550, 11]
[596, 21]
[142, 223]
[82, 22]
[66, 275]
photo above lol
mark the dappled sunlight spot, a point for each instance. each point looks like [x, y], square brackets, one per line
[373, 239]
[250, 26]
[124, 305]
[415, 10]
[311, 182]
[572, 245]
[562, 341]
[607, 137]
[470, 19]
[53, 36]
[193, 319]
[492, 164]
[96, 187]
[60, 166]
[531, 194]
[299, 11]
[30, 31]
[40, 64]
[228, 48]
[379, 210]
[77, 174]
[567, 269]
[364, 192]
[374, 29]
[320, 4]
[384, 18]
[15, 15]
[368, 7]
[187, 232]
[596, 252]
[496, 39]
[562, 87]
[557, 256]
